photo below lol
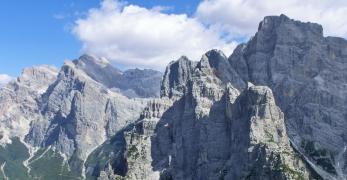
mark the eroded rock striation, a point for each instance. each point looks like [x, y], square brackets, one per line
[275, 109]
[19, 101]
[306, 72]
[79, 114]
[71, 111]
[220, 127]
[212, 130]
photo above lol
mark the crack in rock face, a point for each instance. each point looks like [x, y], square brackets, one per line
[274, 109]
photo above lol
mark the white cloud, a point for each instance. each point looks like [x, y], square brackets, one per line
[135, 36]
[138, 37]
[240, 18]
[4, 79]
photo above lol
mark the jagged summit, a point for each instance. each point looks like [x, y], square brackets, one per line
[99, 69]
[304, 69]
[131, 82]
[258, 129]
[86, 58]
[275, 22]
[305, 72]
[213, 59]
[92, 62]
[274, 109]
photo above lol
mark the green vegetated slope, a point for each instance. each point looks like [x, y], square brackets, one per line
[46, 164]
[11, 160]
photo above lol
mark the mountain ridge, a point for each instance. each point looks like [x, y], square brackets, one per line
[257, 114]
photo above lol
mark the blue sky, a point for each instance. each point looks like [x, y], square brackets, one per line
[30, 33]
[141, 33]
[38, 31]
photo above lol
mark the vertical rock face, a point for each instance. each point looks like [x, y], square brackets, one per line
[260, 146]
[307, 73]
[79, 114]
[210, 122]
[19, 101]
[141, 146]
[210, 131]
[176, 77]
[135, 153]
[73, 111]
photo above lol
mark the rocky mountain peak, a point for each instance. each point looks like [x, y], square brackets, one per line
[267, 120]
[176, 76]
[258, 114]
[212, 59]
[259, 130]
[305, 72]
[99, 69]
[131, 83]
[91, 60]
[38, 78]
[278, 24]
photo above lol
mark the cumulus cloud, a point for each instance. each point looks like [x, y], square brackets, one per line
[240, 18]
[136, 36]
[4, 79]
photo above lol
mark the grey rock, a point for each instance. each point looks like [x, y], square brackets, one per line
[275, 109]
[260, 147]
[79, 114]
[100, 70]
[176, 77]
[307, 73]
[131, 83]
[144, 82]
[210, 129]
[19, 101]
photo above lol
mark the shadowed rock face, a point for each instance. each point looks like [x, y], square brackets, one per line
[307, 73]
[145, 83]
[176, 76]
[207, 129]
[219, 127]
[260, 146]
[18, 101]
[275, 109]
[79, 114]
[72, 111]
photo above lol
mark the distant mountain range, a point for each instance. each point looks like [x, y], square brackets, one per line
[275, 109]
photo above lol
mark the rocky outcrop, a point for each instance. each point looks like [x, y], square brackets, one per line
[176, 77]
[129, 154]
[73, 111]
[131, 83]
[79, 114]
[275, 109]
[19, 101]
[100, 70]
[211, 130]
[260, 147]
[307, 73]
[139, 142]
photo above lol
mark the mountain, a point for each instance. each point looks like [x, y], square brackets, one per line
[274, 109]
[306, 72]
[65, 114]
[132, 82]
